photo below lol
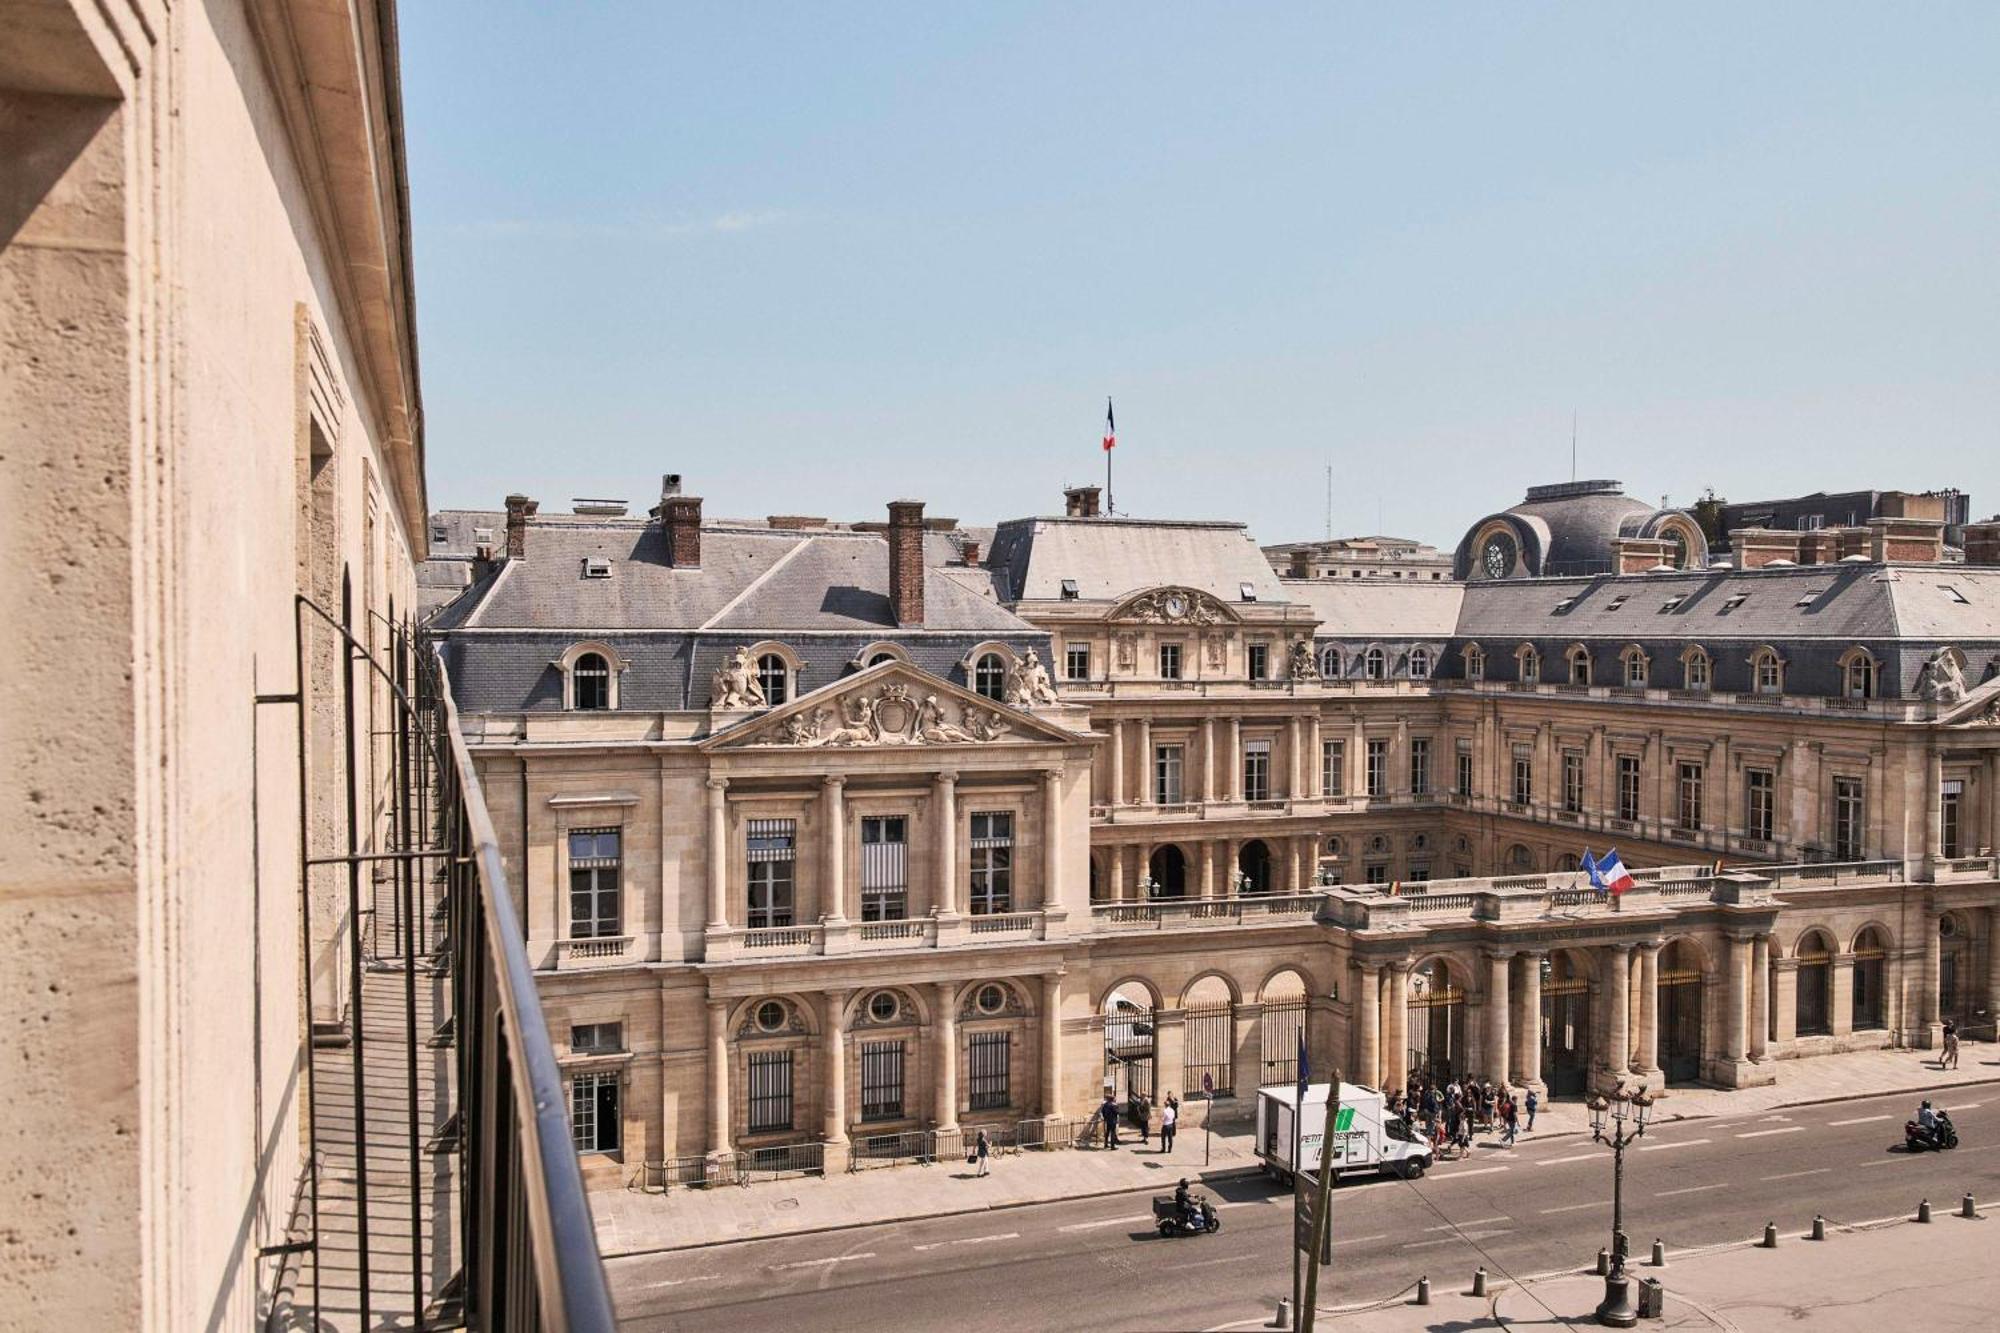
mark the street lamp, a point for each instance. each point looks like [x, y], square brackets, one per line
[1149, 887]
[1618, 1121]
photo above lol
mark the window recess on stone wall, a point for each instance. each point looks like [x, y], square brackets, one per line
[594, 909]
[885, 846]
[771, 856]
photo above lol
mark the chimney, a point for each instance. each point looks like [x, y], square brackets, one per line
[1912, 540]
[1636, 555]
[670, 484]
[1081, 501]
[1982, 542]
[906, 561]
[681, 516]
[519, 510]
[1850, 541]
[1301, 564]
[1818, 547]
[969, 551]
[1756, 547]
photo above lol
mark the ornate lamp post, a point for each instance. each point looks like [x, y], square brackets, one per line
[1625, 1122]
[1149, 887]
[1239, 883]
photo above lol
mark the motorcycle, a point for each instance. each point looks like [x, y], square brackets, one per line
[1198, 1218]
[1916, 1138]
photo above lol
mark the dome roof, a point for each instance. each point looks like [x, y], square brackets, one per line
[1570, 528]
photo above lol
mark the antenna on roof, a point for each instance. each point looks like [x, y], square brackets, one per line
[1329, 502]
[1572, 444]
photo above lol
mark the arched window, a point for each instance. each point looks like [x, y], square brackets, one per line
[1857, 675]
[1579, 665]
[1475, 662]
[590, 683]
[1637, 667]
[1329, 664]
[880, 658]
[1869, 952]
[1696, 668]
[1531, 664]
[1519, 858]
[989, 675]
[1420, 664]
[1815, 958]
[774, 674]
[1566, 863]
[1376, 664]
[1767, 671]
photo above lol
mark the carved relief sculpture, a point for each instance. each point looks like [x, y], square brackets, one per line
[888, 717]
[1303, 666]
[1128, 650]
[735, 685]
[1942, 681]
[1173, 606]
[1028, 683]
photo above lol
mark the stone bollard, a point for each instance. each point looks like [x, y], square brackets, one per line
[1603, 1261]
[1770, 1235]
[1424, 1290]
[1819, 1227]
[1283, 1319]
[1659, 1253]
[1923, 1210]
[1966, 1208]
[1479, 1281]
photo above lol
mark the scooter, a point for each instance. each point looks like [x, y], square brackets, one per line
[1198, 1218]
[1916, 1138]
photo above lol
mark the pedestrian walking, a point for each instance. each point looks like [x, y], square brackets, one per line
[1169, 1120]
[1138, 1112]
[1510, 1116]
[982, 1150]
[1109, 1113]
[1950, 1060]
[1534, 1103]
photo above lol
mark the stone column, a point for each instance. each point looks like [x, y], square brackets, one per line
[1499, 1016]
[1120, 886]
[1357, 758]
[1147, 765]
[1052, 838]
[1841, 996]
[833, 1084]
[1208, 728]
[1736, 999]
[1232, 781]
[1117, 763]
[1368, 999]
[1052, 1044]
[718, 854]
[1528, 1054]
[1206, 851]
[1617, 988]
[944, 1058]
[1647, 1065]
[1932, 1035]
[1294, 861]
[1993, 823]
[1231, 850]
[1396, 1060]
[1757, 1040]
[1295, 744]
[833, 801]
[718, 1078]
[1781, 983]
[945, 872]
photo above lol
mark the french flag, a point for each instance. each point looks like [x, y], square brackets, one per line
[1607, 873]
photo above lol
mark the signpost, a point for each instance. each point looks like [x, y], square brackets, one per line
[1207, 1115]
[1320, 1241]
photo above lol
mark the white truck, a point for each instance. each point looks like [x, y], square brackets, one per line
[1366, 1136]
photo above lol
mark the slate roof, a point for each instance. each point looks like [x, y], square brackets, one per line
[1112, 558]
[1380, 609]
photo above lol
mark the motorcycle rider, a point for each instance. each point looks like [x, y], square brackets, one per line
[1927, 1123]
[1184, 1202]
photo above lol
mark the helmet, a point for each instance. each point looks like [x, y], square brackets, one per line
[1927, 1104]
[1184, 1178]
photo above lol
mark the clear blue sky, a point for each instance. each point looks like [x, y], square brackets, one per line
[817, 257]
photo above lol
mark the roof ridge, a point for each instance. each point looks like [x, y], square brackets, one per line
[485, 600]
[754, 584]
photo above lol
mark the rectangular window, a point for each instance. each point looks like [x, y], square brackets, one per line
[1690, 794]
[1260, 661]
[1465, 772]
[593, 883]
[1420, 872]
[593, 1112]
[1573, 781]
[1848, 816]
[881, 1080]
[1076, 661]
[988, 1056]
[885, 867]
[596, 1038]
[1333, 768]
[1378, 768]
[1167, 774]
[1628, 788]
[1524, 774]
[1170, 661]
[1376, 872]
[1949, 806]
[770, 1091]
[1256, 770]
[992, 862]
[771, 848]
[1760, 787]
[1635, 671]
[1420, 765]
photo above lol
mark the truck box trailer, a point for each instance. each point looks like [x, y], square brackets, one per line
[1367, 1137]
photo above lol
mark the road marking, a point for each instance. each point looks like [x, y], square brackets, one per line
[678, 1281]
[1107, 1222]
[1766, 1133]
[1662, 1147]
[1482, 1171]
[1580, 1157]
[1691, 1189]
[1887, 1161]
[1969, 1106]
[1226, 1259]
[1361, 1240]
[821, 1263]
[1794, 1175]
[969, 1240]
[1453, 1240]
[1858, 1120]
[1476, 1222]
[1572, 1207]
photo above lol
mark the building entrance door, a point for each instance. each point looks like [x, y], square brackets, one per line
[1680, 1026]
[1566, 1036]
[1128, 1045]
[1437, 1026]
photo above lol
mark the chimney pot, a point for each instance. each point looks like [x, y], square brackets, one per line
[1081, 501]
[906, 561]
[970, 551]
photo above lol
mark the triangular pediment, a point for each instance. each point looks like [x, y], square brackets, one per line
[889, 704]
[1175, 606]
[1979, 708]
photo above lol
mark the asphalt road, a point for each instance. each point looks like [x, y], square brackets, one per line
[1097, 1263]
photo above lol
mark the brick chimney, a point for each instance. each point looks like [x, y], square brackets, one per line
[969, 552]
[1081, 501]
[519, 510]
[1818, 547]
[1913, 540]
[906, 561]
[1756, 547]
[1636, 555]
[1850, 541]
[1982, 543]
[681, 516]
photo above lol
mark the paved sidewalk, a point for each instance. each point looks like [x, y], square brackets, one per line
[1856, 1281]
[630, 1222]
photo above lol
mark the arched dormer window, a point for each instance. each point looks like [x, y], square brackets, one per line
[774, 676]
[1329, 664]
[1530, 663]
[1475, 662]
[1697, 669]
[1638, 668]
[989, 675]
[1420, 664]
[1375, 665]
[1858, 674]
[875, 654]
[590, 677]
[1767, 671]
[1579, 664]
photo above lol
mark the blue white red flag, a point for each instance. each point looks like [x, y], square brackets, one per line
[1611, 873]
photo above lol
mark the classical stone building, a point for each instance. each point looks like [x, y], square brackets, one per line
[1392, 558]
[834, 835]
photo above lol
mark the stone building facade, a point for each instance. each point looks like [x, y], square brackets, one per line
[1114, 805]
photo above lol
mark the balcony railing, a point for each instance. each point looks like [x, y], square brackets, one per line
[1204, 913]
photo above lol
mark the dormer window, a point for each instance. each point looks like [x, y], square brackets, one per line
[1531, 664]
[1420, 664]
[1069, 590]
[597, 569]
[439, 534]
[1376, 664]
[1616, 602]
[774, 676]
[1857, 674]
[1579, 665]
[590, 683]
[989, 675]
[482, 536]
[1695, 666]
[1329, 664]
[1562, 607]
[1672, 603]
[1767, 671]
[1636, 668]
[1475, 663]
[1248, 591]
[1731, 603]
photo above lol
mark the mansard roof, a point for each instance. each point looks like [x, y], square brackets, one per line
[1392, 609]
[1113, 558]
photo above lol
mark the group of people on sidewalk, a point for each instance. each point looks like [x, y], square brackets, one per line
[1452, 1112]
[1137, 1114]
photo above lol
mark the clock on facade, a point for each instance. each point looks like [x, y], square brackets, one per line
[1176, 605]
[1496, 557]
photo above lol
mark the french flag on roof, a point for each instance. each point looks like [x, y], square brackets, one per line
[1607, 873]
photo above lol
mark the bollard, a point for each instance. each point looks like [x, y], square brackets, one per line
[1603, 1262]
[1924, 1210]
[1424, 1290]
[1819, 1227]
[1284, 1315]
[1966, 1208]
[1479, 1281]
[1770, 1235]
[1659, 1253]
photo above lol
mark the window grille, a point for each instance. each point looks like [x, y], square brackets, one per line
[593, 883]
[770, 1091]
[989, 1052]
[881, 1080]
[989, 676]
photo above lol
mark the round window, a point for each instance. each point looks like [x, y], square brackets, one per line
[1333, 846]
[1378, 843]
[770, 1015]
[882, 1006]
[1947, 927]
[1421, 842]
[991, 999]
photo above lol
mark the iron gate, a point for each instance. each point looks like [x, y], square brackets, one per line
[1129, 1048]
[1283, 1023]
[1680, 1026]
[1566, 1037]
[1210, 1033]
[1437, 1033]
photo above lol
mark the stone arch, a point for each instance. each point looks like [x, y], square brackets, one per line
[1257, 864]
[1809, 934]
[810, 1014]
[1270, 988]
[919, 1010]
[615, 667]
[1882, 931]
[1130, 983]
[1519, 860]
[1458, 971]
[1169, 867]
[875, 653]
[1692, 953]
[1230, 993]
[1579, 963]
[1021, 1000]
